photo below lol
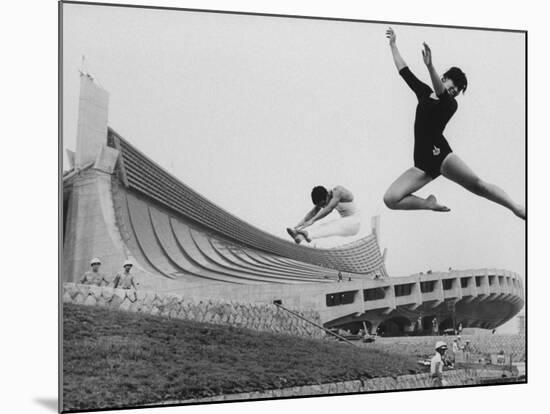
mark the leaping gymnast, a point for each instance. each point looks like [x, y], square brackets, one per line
[432, 154]
[325, 201]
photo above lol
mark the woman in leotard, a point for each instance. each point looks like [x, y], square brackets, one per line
[432, 154]
[325, 201]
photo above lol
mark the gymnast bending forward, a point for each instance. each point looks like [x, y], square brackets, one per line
[432, 154]
[325, 201]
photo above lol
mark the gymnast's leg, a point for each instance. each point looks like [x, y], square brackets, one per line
[400, 194]
[456, 170]
[343, 227]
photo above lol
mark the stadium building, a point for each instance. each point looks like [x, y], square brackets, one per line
[119, 204]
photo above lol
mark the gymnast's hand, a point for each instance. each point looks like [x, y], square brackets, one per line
[427, 55]
[390, 34]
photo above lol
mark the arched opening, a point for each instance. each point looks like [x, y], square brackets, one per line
[368, 325]
[430, 325]
[355, 327]
[396, 326]
[446, 324]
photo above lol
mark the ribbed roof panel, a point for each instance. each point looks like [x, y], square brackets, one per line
[141, 174]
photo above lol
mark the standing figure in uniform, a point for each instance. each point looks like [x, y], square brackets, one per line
[125, 280]
[436, 364]
[94, 276]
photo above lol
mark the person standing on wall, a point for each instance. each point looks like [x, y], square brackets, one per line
[94, 276]
[125, 280]
[435, 328]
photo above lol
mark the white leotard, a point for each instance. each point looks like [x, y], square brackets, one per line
[347, 225]
[346, 208]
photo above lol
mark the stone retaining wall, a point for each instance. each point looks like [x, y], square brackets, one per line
[404, 382]
[481, 345]
[260, 317]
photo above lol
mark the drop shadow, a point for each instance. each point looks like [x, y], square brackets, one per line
[49, 403]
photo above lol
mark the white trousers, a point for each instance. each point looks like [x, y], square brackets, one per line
[343, 227]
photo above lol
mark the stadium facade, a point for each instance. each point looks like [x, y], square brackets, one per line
[118, 204]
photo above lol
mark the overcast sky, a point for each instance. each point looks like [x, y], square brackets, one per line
[252, 112]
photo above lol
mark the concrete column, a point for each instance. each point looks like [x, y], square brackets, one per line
[389, 299]
[91, 227]
[416, 295]
[71, 158]
[439, 294]
[483, 289]
[375, 226]
[471, 290]
[92, 121]
[374, 325]
[360, 298]
[456, 291]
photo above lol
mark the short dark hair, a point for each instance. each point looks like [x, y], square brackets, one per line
[319, 194]
[458, 77]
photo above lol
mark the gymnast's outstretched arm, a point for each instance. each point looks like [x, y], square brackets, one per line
[419, 88]
[326, 210]
[308, 216]
[397, 59]
[436, 80]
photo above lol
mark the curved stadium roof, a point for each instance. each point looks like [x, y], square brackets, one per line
[140, 174]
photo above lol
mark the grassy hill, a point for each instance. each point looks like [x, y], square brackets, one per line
[114, 358]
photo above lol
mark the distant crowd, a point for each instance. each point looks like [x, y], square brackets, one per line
[121, 280]
[341, 277]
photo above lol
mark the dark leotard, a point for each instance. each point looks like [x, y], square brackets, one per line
[432, 115]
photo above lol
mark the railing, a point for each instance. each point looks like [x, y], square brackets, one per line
[340, 337]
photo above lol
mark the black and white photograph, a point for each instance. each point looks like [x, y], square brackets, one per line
[265, 206]
[277, 206]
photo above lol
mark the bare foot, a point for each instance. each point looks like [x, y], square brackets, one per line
[298, 238]
[304, 234]
[292, 233]
[434, 205]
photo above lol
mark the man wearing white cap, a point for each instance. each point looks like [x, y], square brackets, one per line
[436, 364]
[125, 280]
[94, 276]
